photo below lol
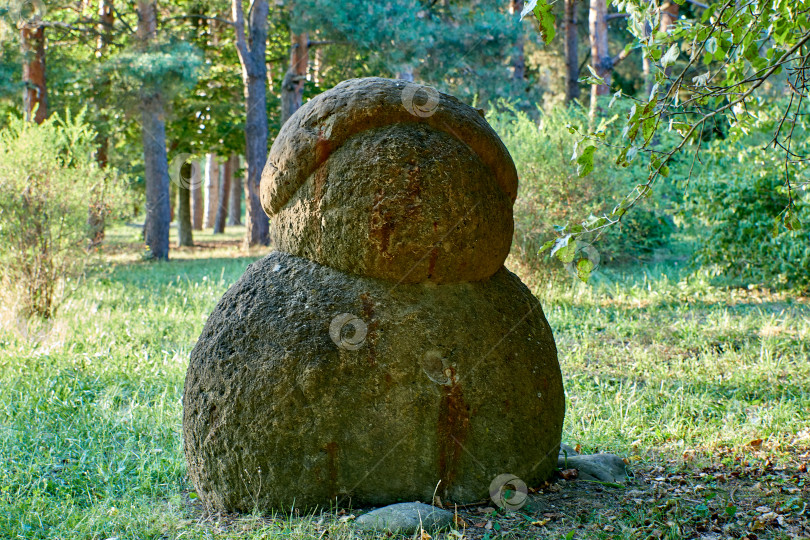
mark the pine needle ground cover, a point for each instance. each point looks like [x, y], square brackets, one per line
[705, 390]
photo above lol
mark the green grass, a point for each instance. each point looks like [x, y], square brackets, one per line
[659, 366]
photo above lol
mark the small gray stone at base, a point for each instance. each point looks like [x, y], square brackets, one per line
[601, 467]
[405, 518]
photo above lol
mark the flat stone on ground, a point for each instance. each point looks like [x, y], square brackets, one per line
[600, 467]
[406, 518]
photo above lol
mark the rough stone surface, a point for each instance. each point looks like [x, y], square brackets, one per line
[358, 182]
[406, 518]
[602, 467]
[455, 383]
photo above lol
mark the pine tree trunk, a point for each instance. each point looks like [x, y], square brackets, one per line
[292, 88]
[211, 190]
[235, 199]
[197, 202]
[225, 177]
[153, 136]
[184, 235]
[35, 92]
[254, 76]
[571, 52]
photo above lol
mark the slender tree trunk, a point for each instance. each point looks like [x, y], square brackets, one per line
[153, 135]
[669, 14]
[518, 58]
[292, 88]
[211, 189]
[96, 214]
[251, 50]
[106, 16]
[318, 65]
[225, 177]
[35, 93]
[197, 204]
[235, 199]
[184, 235]
[597, 25]
[571, 52]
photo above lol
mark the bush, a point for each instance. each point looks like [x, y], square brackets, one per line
[48, 184]
[551, 192]
[736, 209]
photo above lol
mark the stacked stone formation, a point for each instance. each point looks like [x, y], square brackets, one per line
[394, 225]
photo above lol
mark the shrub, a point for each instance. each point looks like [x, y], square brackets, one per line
[736, 209]
[551, 192]
[48, 184]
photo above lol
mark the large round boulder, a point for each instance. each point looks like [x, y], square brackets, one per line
[311, 386]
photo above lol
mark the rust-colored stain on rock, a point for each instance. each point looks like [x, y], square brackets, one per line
[451, 430]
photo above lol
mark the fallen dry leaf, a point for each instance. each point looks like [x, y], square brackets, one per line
[425, 536]
[569, 474]
[756, 443]
[541, 522]
[459, 521]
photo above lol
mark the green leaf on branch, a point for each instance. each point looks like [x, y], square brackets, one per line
[792, 220]
[541, 10]
[584, 269]
[595, 78]
[565, 249]
[648, 128]
[671, 55]
[547, 246]
[585, 161]
[593, 222]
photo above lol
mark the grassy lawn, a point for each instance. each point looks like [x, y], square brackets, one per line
[705, 389]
